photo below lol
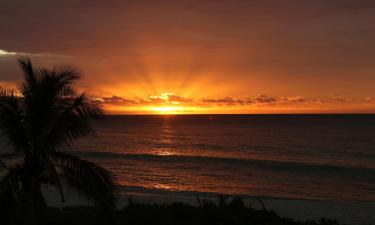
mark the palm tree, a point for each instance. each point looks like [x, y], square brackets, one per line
[45, 114]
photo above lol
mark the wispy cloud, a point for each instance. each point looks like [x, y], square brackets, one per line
[7, 53]
[225, 101]
[47, 55]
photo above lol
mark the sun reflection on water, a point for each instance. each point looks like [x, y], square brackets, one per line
[162, 186]
[164, 152]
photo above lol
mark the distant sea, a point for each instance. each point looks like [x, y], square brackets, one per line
[316, 157]
[327, 158]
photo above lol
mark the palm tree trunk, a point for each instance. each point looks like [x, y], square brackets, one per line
[35, 205]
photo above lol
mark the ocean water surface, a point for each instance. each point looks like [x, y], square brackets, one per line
[301, 166]
[307, 157]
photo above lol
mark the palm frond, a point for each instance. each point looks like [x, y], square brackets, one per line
[52, 177]
[68, 92]
[11, 120]
[10, 194]
[29, 73]
[46, 93]
[57, 79]
[86, 108]
[74, 121]
[8, 156]
[66, 74]
[12, 183]
[2, 164]
[90, 180]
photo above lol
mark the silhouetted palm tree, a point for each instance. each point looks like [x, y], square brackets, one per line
[44, 115]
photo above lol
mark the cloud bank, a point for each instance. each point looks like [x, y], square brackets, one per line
[260, 100]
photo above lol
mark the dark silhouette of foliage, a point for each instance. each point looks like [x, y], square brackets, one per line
[179, 213]
[45, 114]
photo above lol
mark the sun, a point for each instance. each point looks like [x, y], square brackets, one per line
[167, 109]
[166, 103]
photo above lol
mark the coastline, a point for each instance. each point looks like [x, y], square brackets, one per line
[354, 213]
[345, 212]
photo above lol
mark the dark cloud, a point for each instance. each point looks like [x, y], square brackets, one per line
[335, 98]
[225, 101]
[116, 100]
[265, 99]
[294, 100]
[180, 99]
[166, 98]
[261, 100]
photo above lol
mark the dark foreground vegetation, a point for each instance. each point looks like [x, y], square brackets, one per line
[233, 212]
[38, 120]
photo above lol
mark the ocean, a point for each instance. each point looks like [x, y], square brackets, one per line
[309, 157]
[315, 165]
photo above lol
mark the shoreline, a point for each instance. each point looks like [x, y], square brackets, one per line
[353, 213]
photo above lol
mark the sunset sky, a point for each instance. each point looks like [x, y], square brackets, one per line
[202, 56]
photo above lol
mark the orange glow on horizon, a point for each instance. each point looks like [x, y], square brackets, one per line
[169, 103]
[167, 109]
[171, 110]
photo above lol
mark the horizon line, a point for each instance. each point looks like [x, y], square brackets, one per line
[243, 114]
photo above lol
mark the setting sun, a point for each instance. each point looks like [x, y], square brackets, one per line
[167, 109]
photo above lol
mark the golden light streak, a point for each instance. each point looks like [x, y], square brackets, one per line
[169, 110]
